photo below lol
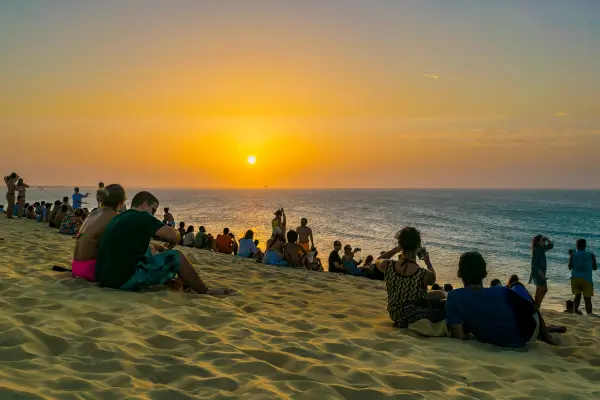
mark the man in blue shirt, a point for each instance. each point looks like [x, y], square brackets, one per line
[77, 198]
[581, 264]
[495, 315]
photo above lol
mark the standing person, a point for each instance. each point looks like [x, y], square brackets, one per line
[168, 218]
[10, 182]
[77, 198]
[540, 244]
[581, 264]
[305, 234]
[279, 221]
[125, 260]
[99, 195]
[22, 188]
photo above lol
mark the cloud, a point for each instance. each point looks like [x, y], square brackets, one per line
[431, 76]
[560, 114]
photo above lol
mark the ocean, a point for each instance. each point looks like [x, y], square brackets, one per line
[498, 223]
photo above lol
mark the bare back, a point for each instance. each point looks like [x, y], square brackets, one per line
[304, 233]
[90, 233]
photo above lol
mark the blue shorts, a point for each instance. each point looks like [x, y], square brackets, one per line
[154, 270]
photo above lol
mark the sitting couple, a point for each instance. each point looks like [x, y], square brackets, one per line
[496, 315]
[114, 248]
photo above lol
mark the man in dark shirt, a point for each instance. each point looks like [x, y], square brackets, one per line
[496, 315]
[335, 261]
[127, 261]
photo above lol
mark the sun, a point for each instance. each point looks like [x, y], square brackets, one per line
[251, 160]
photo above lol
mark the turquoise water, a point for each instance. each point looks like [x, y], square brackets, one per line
[497, 223]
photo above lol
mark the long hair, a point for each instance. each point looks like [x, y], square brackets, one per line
[535, 241]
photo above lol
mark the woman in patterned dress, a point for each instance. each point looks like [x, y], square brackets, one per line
[405, 279]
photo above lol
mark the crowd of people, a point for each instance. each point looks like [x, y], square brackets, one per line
[114, 248]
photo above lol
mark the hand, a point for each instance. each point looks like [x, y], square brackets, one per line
[426, 256]
[171, 245]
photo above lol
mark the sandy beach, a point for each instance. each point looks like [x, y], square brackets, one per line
[285, 334]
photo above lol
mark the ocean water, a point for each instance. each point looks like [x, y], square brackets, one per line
[498, 223]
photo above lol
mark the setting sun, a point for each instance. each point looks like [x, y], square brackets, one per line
[251, 160]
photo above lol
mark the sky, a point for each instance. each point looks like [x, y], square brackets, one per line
[325, 94]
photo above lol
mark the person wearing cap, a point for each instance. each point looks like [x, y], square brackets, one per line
[495, 315]
[77, 198]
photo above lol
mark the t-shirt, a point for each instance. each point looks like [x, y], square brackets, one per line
[124, 243]
[247, 247]
[188, 239]
[77, 197]
[582, 263]
[224, 244]
[487, 313]
[334, 257]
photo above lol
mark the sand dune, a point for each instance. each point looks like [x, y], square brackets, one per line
[286, 334]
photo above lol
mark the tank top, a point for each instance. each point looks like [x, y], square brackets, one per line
[402, 289]
[582, 264]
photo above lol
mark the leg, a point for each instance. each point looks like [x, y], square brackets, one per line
[540, 292]
[10, 199]
[576, 303]
[544, 335]
[189, 275]
[588, 304]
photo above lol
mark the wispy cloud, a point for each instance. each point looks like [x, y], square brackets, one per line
[561, 114]
[436, 77]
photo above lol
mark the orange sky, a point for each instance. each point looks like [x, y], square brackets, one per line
[324, 95]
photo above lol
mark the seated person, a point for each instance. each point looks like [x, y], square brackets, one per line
[203, 240]
[55, 210]
[234, 246]
[30, 213]
[314, 262]
[247, 247]
[168, 218]
[448, 288]
[406, 281]
[293, 253]
[274, 253]
[517, 286]
[58, 218]
[349, 263]
[112, 198]
[224, 242]
[72, 222]
[124, 260]
[182, 231]
[188, 239]
[335, 261]
[495, 282]
[495, 315]
[259, 254]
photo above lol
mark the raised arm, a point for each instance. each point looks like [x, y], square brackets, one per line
[383, 260]
[430, 277]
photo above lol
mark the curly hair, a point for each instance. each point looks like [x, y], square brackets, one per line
[409, 238]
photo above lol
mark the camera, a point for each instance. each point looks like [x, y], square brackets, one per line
[421, 253]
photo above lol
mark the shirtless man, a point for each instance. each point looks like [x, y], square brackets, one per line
[304, 234]
[88, 240]
[10, 181]
[295, 254]
[168, 218]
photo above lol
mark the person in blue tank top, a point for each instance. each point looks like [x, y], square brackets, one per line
[539, 266]
[581, 264]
